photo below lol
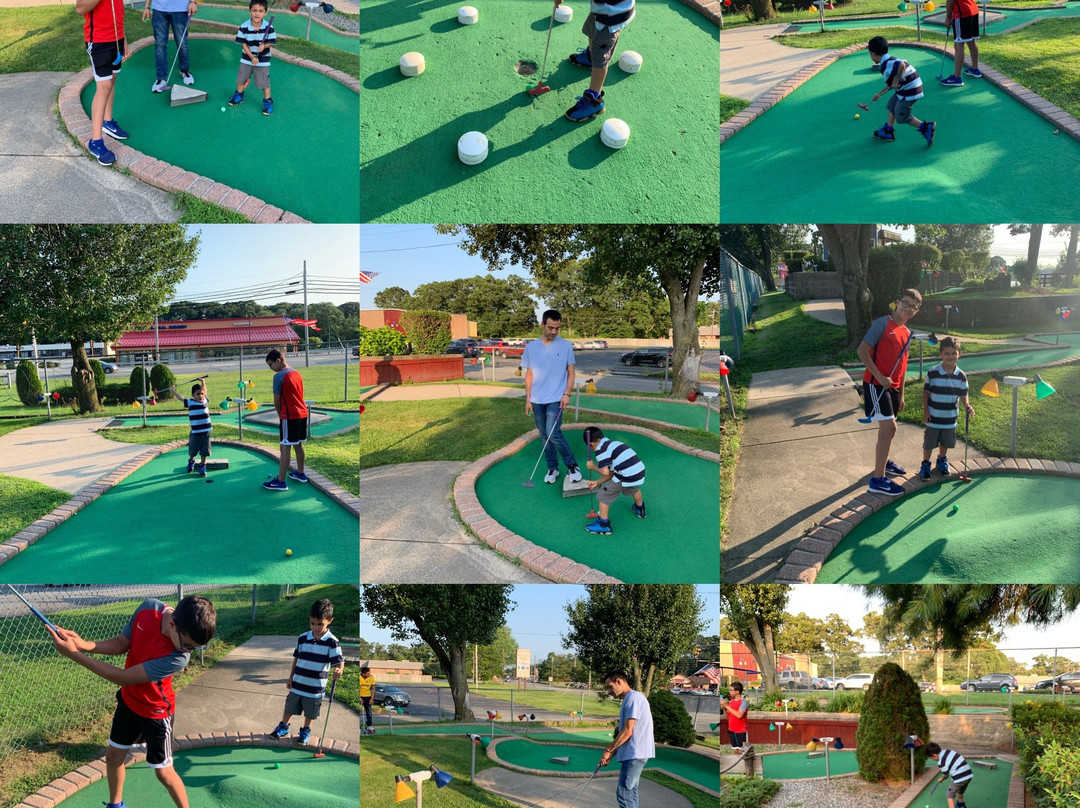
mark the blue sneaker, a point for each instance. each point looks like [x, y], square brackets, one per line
[237, 98]
[588, 106]
[101, 152]
[601, 527]
[581, 58]
[974, 72]
[304, 734]
[894, 470]
[952, 81]
[201, 468]
[299, 476]
[886, 132]
[275, 485]
[639, 510]
[280, 731]
[942, 466]
[885, 486]
[924, 470]
[190, 465]
[268, 106]
[112, 129]
[928, 129]
[114, 804]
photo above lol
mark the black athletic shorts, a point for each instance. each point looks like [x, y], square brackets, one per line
[965, 29]
[888, 402]
[293, 431]
[128, 729]
[102, 56]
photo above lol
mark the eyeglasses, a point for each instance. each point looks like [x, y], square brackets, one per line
[909, 306]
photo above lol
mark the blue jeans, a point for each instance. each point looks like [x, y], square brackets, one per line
[161, 20]
[548, 417]
[627, 792]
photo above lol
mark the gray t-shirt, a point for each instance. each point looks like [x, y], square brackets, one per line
[641, 744]
[548, 364]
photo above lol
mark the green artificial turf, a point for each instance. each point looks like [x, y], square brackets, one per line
[978, 362]
[165, 525]
[676, 543]
[1008, 527]
[338, 421]
[989, 788]
[540, 166]
[285, 24]
[309, 142]
[240, 777]
[799, 765]
[990, 151]
[667, 411]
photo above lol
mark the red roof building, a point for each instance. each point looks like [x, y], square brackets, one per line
[189, 340]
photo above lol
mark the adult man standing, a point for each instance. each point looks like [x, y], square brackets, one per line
[293, 412]
[549, 378]
[633, 745]
[176, 14]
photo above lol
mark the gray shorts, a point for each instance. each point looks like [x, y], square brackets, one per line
[198, 443]
[601, 43]
[308, 705]
[934, 436]
[956, 789]
[901, 108]
[610, 491]
[260, 74]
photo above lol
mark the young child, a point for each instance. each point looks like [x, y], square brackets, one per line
[963, 17]
[255, 38]
[884, 352]
[316, 652]
[902, 77]
[945, 386]
[606, 19]
[621, 472]
[735, 706]
[292, 410]
[954, 766]
[367, 691]
[103, 32]
[158, 641]
[198, 407]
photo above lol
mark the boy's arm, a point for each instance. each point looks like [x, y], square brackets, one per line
[292, 670]
[67, 645]
[926, 404]
[85, 6]
[866, 354]
[967, 405]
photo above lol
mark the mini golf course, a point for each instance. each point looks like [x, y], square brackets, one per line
[688, 415]
[540, 166]
[299, 158]
[990, 150]
[989, 787]
[240, 777]
[339, 421]
[999, 528]
[932, 24]
[162, 524]
[1069, 348]
[676, 543]
[799, 765]
[285, 24]
[703, 771]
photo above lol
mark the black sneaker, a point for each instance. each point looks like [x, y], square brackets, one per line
[639, 510]
[190, 465]
[202, 469]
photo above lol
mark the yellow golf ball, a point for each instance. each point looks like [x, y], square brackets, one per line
[288, 552]
[856, 116]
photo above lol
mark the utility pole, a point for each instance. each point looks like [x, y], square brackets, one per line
[307, 347]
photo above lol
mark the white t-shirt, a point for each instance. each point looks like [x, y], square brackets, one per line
[169, 6]
[548, 364]
[641, 743]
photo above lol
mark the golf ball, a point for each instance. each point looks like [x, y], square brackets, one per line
[223, 109]
[288, 552]
[277, 765]
[955, 508]
[856, 116]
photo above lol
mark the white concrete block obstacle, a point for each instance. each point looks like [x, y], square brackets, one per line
[564, 14]
[411, 64]
[472, 148]
[615, 133]
[468, 15]
[630, 61]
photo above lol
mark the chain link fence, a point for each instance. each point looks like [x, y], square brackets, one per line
[739, 290]
[42, 696]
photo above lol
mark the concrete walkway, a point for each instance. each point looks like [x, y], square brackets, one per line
[245, 692]
[68, 455]
[828, 311]
[531, 790]
[751, 63]
[803, 454]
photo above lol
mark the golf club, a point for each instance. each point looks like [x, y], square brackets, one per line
[529, 483]
[877, 399]
[591, 776]
[560, 793]
[936, 784]
[319, 753]
[540, 87]
[964, 478]
[33, 609]
[592, 514]
[944, 50]
[179, 45]
[174, 384]
[119, 53]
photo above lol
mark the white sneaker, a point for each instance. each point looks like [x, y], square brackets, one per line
[159, 86]
[551, 476]
[573, 474]
[187, 77]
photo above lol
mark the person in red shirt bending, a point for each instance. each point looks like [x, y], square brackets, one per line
[963, 17]
[735, 706]
[103, 32]
[158, 641]
[293, 412]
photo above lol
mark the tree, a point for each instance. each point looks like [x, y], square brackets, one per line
[754, 246]
[683, 260]
[801, 635]
[90, 281]
[395, 297]
[756, 612]
[763, 9]
[496, 655]
[639, 628]
[892, 710]
[1068, 264]
[849, 248]
[447, 618]
[971, 238]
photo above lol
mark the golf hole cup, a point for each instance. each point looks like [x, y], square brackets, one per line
[472, 148]
[615, 133]
[630, 61]
[467, 15]
[411, 64]
[564, 14]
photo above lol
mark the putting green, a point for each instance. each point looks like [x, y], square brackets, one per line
[693, 767]
[161, 524]
[540, 167]
[799, 765]
[981, 363]
[338, 421]
[669, 412]
[439, 729]
[989, 788]
[280, 159]
[977, 710]
[285, 24]
[677, 543]
[1008, 527]
[240, 777]
[835, 157]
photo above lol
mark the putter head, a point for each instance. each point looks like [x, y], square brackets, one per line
[864, 107]
[963, 478]
[539, 89]
[320, 754]
[529, 484]
[866, 420]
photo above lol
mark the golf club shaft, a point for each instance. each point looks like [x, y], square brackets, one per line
[578, 797]
[551, 23]
[544, 448]
[326, 721]
[33, 609]
[179, 46]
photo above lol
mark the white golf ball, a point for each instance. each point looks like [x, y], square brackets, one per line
[615, 133]
[411, 64]
[630, 61]
[467, 15]
[472, 148]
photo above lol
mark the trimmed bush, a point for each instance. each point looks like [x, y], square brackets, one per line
[671, 722]
[847, 701]
[1048, 743]
[810, 704]
[385, 341]
[27, 383]
[428, 330]
[943, 707]
[116, 393]
[740, 793]
[161, 379]
[99, 372]
[139, 380]
[892, 710]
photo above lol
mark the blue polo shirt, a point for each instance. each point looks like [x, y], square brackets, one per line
[641, 744]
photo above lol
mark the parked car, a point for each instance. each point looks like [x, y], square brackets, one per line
[794, 680]
[109, 367]
[500, 347]
[820, 683]
[468, 348]
[661, 357]
[594, 344]
[1003, 682]
[356, 351]
[856, 681]
[390, 696]
[1042, 684]
[1067, 683]
[927, 687]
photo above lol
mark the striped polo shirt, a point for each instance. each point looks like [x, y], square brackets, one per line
[910, 88]
[955, 765]
[314, 659]
[254, 37]
[945, 390]
[612, 14]
[626, 466]
[198, 415]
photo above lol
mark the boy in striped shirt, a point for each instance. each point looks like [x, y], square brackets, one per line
[945, 386]
[902, 77]
[316, 655]
[198, 407]
[606, 19]
[952, 765]
[621, 472]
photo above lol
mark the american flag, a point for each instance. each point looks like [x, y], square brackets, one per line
[308, 323]
[710, 672]
[368, 277]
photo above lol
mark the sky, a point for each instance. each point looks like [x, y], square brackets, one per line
[1012, 248]
[1021, 642]
[538, 619]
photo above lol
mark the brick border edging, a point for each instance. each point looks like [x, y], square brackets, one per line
[652, 421]
[1036, 103]
[313, 18]
[34, 531]
[710, 9]
[172, 178]
[63, 787]
[804, 562]
[545, 563]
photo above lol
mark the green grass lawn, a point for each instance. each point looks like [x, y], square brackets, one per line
[555, 701]
[729, 105]
[697, 797]
[25, 501]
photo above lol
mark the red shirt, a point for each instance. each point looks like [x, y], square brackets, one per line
[892, 344]
[154, 699]
[736, 723]
[105, 22]
[291, 389]
[964, 8]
